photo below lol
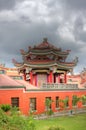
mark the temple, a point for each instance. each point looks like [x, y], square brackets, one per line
[42, 75]
[45, 63]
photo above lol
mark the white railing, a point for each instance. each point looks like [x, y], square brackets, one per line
[59, 86]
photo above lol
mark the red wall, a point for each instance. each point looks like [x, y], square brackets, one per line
[5, 97]
[24, 102]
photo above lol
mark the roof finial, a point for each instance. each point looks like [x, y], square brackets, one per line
[45, 39]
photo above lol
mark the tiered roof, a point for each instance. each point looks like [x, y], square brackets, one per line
[45, 48]
[45, 55]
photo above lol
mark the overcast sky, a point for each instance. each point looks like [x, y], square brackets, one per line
[27, 22]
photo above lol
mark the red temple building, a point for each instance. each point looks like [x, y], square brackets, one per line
[45, 63]
[44, 70]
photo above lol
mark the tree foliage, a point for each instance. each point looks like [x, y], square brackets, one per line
[15, 122]
[83, 99]
[5, 107]
[75, 100]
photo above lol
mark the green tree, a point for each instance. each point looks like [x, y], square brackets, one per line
[48, 103]
[83, 99]
[5, 107]
[15, 122]
[64, 104]
[75, 100]
[3, 118]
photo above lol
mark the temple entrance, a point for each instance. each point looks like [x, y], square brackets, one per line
[41, 78]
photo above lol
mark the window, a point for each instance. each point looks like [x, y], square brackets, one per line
[32, 104]
[48, 102]
[2, 71]
[15, 101]
[57, 102]
[67, 101]
[84, 103]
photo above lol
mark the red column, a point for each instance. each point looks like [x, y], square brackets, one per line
[51, 77]
[35, 80]
[58, 78]
[31, 77]
[54, 78]
[65, 77]
[24, 76]
[48, 78]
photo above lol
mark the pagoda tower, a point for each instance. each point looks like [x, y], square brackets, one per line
[45, 63]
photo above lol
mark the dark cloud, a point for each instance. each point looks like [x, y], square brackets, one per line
[25, 23]
[79, 29]
[76, 4]
[7, 4]
[25, 19]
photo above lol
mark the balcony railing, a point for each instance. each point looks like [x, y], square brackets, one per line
[59, 86]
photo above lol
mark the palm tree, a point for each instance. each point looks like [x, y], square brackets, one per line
[64, 104]
[83, 99]
[48, 103]
[75, 100]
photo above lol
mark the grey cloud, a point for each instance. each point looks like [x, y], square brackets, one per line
[19, 35]
[50, 3]
[73, 8]
[76, 4]
[28, 29]
[7, 4]
[25, 19]
[79, 32]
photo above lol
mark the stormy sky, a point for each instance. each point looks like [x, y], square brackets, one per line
[27, 22]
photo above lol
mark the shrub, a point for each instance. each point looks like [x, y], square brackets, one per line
[5, 107]
[3, 118]
[31, 125]
[21, 123]
[49, 112]
[15, 111]
[55, 128]
[15, 122]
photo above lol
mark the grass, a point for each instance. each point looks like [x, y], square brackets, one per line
[75, 122]
[14, 121]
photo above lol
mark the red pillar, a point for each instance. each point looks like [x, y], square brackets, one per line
[31, 77]
[54, 78]
[48, 77]
[58, 78]
[51, 77]
[65, 77]
[35, 80]
[24, 76]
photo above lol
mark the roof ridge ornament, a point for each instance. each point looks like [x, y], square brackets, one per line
[45, 40]
[44, 44]
[22, 51]
[83, 74]
[75, 60]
